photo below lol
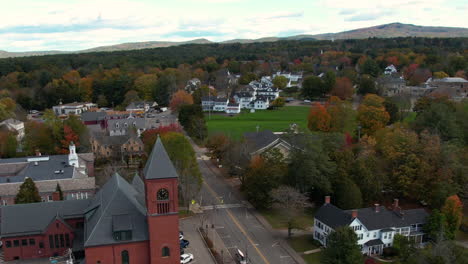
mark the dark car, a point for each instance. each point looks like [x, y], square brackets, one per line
[184, 243]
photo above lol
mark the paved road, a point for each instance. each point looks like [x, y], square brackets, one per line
[237, 226]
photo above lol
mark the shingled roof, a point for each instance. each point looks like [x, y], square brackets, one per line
[34, 218]
[159, 165]
[372, 219]
[116, 204]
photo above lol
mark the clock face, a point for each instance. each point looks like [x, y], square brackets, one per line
[163, 194]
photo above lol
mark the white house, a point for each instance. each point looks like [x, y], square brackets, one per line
[375, 226]
[271, 92]
[15, 126]
[233, 108]
[260, 103]
[72, 108]
[244, 99]
[220, 104]
[294, 79]
[390, 69]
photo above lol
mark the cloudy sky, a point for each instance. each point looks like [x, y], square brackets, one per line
[30, 25]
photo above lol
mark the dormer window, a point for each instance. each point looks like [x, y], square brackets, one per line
[123, 235]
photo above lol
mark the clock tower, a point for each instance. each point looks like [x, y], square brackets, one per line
[161, 183]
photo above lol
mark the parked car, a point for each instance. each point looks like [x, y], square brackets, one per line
[184, 243]
[186, 258]
[181, 235]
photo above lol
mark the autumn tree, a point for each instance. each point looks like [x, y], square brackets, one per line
[180, 98]
[28, 193]
[149, 136]
[183, 157]
[343, 88]
[291, 204]
[204, 90]
[38, 136]
[280, 82]
[329, 81]
[69, 136]
[440, 75]
[318, 119]
[370, 67]
[278, 102]
[372, 115]
[145, 84]
[130, 97]
[342, 116]
[8, 144]
[453, 214]
[218, 145]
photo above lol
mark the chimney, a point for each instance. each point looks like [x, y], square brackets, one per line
[395, 203]
[327, 199]
[55, 196]
[377, 207]
[354, 213]
[38, 153]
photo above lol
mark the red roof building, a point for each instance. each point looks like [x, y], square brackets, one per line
[123, 223]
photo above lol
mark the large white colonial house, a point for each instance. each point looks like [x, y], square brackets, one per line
[375, 226]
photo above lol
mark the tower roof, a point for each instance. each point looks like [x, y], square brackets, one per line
[159, 165]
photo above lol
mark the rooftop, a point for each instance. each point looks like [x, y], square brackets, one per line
[159, 165]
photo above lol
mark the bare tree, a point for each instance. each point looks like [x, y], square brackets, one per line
[291, 203]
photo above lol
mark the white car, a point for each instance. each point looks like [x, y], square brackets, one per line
[186, 258]
[181, 235]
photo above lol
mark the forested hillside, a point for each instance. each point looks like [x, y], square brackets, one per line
[105, 77]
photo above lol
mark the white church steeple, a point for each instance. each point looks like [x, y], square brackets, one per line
[73, 157]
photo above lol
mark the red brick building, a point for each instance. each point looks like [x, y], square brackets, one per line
[123, 223]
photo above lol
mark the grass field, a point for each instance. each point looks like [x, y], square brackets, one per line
[312, 258]
[274, 120]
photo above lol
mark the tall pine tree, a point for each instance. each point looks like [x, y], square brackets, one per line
[28, 193]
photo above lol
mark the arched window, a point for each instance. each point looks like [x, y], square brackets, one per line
[166, 252]
[125, 257]
[163, 195]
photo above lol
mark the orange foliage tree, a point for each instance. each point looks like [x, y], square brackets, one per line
[343, 88]
[319, 119]
[180, 98]
[453, 212]
[372, 115]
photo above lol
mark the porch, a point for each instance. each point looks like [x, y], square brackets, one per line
[373, 247]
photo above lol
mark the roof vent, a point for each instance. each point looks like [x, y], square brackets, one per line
[57, 172]
[36, 163]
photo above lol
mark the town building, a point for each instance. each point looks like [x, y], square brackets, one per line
[233, 108]
[116, 147]
[72, 108]
[15, 126]
[217, 104]
[244, 99]
[294, 79]
[269, 92]
[455, 88]
[123, 223]
[142, 106]
[391, 85]
[390, 69]
[73, 172]
[375, 226]
[262, 141]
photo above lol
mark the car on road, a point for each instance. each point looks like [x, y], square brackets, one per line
[240, 257]
[186, 258]
[184, 243]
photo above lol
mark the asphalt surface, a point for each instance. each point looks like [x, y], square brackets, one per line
[197, 247]
[237, 226]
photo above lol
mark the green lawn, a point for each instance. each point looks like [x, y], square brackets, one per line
[302, 243]
[274, 120]
[278, 221]
[312, 258]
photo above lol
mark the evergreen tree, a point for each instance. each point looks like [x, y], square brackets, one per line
[342, 248]
[28, 193]
[59, 190]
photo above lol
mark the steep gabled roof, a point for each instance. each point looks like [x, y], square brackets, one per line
[159, 165]
[34, 218]
[333, 216]
[116, 198]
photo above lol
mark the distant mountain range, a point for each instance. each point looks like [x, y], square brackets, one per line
[392, 30]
